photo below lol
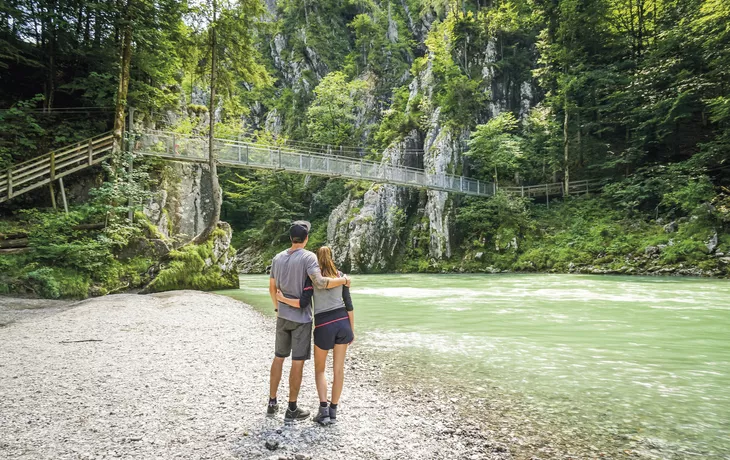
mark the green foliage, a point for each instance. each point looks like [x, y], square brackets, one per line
[43, 283]
[461, 99]
[494, 146]
[69, 259]
[661, 189]
[401, 118]
[19, 132]
[190, 268]
[331, 116]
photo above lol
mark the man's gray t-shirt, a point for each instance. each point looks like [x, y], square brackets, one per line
[290, 270]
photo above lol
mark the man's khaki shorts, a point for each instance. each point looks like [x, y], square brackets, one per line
[293, 338]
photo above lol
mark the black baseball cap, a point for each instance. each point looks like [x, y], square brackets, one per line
[299, 229]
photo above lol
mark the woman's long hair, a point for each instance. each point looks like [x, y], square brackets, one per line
[326, 264]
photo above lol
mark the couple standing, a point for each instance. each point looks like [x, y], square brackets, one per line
[297, 278]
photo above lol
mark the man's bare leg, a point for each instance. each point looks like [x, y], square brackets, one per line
[295, 379]
[275, 376]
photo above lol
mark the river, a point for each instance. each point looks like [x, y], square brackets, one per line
[636, 358]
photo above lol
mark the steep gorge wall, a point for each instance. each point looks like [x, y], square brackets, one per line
[372, 231]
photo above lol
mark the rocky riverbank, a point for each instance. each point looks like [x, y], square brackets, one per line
[185, 375]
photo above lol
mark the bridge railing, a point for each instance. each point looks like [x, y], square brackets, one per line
[555, 189]
[239, 153]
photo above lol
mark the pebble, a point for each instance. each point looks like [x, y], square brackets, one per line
[272, 445]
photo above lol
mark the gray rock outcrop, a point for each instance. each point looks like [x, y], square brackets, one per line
[182, 204]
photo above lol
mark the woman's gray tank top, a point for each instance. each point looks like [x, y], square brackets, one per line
[328, 299]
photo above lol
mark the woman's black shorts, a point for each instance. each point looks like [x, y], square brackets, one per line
[332, 328]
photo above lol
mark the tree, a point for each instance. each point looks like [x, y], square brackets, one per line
[233, 59]
[331, 116]
[494, 146]
[125, 59]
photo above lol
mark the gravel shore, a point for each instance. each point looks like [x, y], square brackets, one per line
[185, 375]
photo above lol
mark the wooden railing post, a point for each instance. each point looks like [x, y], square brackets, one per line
[279, 157]
[90, 151]
[63, 195]
[247, 153]
[10, 183]
[239, 153]
[53, 166]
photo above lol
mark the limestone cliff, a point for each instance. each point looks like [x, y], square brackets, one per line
[366, 233]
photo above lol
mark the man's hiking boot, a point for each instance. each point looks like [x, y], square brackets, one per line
[333, 414]
[296, 415]
[323, 417]
[272, 409]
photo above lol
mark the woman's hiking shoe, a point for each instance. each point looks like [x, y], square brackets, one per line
[323, 417]
[333, 414]
[296, 415]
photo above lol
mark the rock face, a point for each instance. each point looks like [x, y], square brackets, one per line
[182, 205]
[296, 71]
[366, 233]
[179, 210]
[250, 260]
[441, 156]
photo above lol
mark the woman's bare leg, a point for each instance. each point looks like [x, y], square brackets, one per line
[339, 371]
[320, 361]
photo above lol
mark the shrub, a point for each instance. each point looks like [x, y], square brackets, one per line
[43, 283]
[190, 268]
[686, 250]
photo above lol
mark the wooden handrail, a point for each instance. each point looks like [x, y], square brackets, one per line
[56, 164]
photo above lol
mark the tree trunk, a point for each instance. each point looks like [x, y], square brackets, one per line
[214, 185]
[579, 140]
[565, 147]
[126, 59]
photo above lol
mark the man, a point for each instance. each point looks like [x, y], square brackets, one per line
[289, 271]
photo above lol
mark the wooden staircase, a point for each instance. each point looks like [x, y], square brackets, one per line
[55, 165]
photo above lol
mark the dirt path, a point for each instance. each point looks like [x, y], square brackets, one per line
[185, 375]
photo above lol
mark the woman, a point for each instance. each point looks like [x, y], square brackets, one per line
[334, 326]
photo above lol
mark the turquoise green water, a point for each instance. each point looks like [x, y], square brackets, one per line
[645, 358]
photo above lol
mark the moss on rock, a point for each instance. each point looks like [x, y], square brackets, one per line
[205, 267]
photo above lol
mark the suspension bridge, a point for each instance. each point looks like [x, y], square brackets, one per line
[302, 159]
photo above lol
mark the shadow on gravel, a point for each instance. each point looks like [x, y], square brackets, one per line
[276, 440]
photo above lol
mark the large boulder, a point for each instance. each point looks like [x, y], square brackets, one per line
[206, 267]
